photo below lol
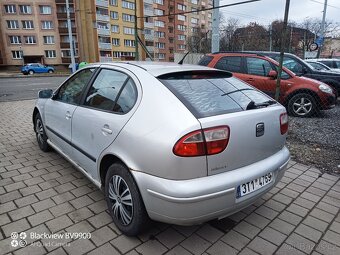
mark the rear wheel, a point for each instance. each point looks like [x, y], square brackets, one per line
[31, 72]
[124, 200]
[50, 71]
[302, 105]
[41, 134]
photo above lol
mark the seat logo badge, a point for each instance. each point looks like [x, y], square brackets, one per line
[259, 129]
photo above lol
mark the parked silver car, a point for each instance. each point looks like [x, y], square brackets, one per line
[181, 144]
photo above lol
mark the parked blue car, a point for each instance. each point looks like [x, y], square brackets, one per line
[36, 68]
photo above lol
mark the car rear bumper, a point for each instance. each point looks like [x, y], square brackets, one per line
[188, 202]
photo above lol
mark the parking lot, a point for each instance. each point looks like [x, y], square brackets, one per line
[41, 193]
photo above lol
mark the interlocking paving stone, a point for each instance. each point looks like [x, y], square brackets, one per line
[43, 193]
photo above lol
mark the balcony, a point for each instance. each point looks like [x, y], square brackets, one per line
[105, 59]
[64, 30]
[63, 1]
[102, 3]
[148, 24]
[103, 17]
[150, 49]
[148, 1]
[67, 60]
[105, 46]
[102, 31]
[148, 12]
[66, 45]
[62, 15]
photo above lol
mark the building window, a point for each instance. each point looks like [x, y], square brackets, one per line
[159, 23]
[114, 15]
[181, 37]
[115, 41]
[159, 12]
[12, 24]
[160, 45]
[67, 53]
[17, 54]
[129, 43]
[10, 8]
[159, 34]
[27, 24]
[30, 39]
[50, 54]
[47, 24]
[181, 46]
[160, 55]
[15, 39]
[25, 9]
[195, 30]
[161, 2]
[115, 29]
[128, 5]
[49, 39]
[181, 17]
[194, 1]
[210, 15]
[194, 21]
[129, 31]
[128, 18]
[181, 7]
[66, 39]
[119, 54]
[45, 9]
[181, 27]
[114, 2]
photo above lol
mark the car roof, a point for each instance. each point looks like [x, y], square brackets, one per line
[159, 68]
[324, 59]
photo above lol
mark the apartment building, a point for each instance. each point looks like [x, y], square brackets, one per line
[165, 35]
[34, 32]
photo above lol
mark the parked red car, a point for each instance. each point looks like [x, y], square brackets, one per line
[302, 96]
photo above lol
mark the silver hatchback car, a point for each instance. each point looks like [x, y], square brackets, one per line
[180, 144]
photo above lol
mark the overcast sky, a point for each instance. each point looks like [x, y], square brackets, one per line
[265, 11]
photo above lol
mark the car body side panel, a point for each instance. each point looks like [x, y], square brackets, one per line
[146, 142]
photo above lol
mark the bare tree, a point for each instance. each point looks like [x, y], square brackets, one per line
[199, 41]
[227, 30]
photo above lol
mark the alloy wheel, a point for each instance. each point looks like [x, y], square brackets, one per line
[121, 200]
[40, 131]
[302, 106]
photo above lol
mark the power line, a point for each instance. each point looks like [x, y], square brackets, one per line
[200, 10]
[323, 4]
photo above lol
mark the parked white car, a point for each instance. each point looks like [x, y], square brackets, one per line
[181, 144]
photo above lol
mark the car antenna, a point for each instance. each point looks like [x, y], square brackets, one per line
[186, 54]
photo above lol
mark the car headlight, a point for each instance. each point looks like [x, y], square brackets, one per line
[325, 88]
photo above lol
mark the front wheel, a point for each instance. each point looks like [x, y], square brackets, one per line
[302, 105]
[31, 72]
[124, 200]
[41, 134]
[50, 71]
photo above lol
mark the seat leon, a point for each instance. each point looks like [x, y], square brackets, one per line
[180, 144]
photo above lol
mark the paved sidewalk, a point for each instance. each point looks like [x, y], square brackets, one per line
[41, 193]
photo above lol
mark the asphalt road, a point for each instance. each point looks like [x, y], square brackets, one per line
[12, 89]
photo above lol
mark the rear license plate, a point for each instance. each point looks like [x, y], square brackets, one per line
[258, 183]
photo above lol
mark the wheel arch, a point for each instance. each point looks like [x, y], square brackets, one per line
[35, 113]
[300, 91]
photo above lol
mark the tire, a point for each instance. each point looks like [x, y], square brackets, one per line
[50, 71]
[129, 215]
[41, 134]
[302, 105]
[31, 72]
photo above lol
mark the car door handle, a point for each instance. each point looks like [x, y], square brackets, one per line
[68, 115]
[106, 130]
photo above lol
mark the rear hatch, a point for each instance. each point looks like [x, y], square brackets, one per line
[218, 100]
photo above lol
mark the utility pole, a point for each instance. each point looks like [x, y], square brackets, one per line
[136, 33]
[322, 29]
[69, 26]
[282, 48]
[270, 37]
[215, 38]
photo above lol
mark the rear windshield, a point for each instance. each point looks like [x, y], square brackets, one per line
[213, 93]
[205, 60]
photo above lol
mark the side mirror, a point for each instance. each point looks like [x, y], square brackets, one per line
[272, 74]
[46, 93]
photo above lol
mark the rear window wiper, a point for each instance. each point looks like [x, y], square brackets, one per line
[238, 90]
[253, 105]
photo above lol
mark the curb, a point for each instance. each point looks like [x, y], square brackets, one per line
[33, 76]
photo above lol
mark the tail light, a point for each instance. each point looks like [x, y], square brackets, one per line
[208, 141]
[283, 123]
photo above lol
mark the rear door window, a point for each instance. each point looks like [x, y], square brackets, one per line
[337, 64]
[205, 60]
[231, 64]
[211, 94]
